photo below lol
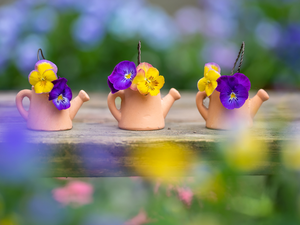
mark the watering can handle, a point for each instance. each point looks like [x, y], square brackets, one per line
[199, 102]
[112, 104]
[20, 96]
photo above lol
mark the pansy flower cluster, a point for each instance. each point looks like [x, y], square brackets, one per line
[44, 80]
[234, 90]
[144, 78]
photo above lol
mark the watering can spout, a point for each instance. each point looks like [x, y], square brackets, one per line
[168, 100]
[257, 100]
[77, 102]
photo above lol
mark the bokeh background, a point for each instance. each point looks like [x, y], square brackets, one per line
[87, 38]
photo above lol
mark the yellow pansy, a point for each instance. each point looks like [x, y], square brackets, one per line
[147, 80]
[209, 82]
[43, 75]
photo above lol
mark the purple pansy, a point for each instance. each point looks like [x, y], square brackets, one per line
[233, 90]
[122, 76]
[61, 94]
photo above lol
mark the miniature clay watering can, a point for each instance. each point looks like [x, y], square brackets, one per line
[139, 112]
[218, 117]
[42, 113]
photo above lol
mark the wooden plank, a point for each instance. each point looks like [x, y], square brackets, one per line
[96, 147]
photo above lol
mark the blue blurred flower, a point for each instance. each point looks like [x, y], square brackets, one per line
[11, 20]
[64, 5]
[289, 46]
[88, 31]
[103, 220]
[268, 34]
[223, 54]
[219, 26]
[225, 8]
[189, 20]
[44, 210]
[157, 28]
[16, 155]
[98, 8]
[4, 57]
[125, 21]
[26, 52]
[44, 19]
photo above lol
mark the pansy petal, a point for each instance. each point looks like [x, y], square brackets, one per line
[111, 86]
[213, 66]
[243, 80]
[122, 84]
[33, 77]
[143, 88]
[225, 98]
[126, 67]
[160, 81]
[61, 104]
[54, 93]
[152, 72]
[60, 82]
[232, 81]
[67, 93]
[222, 83]
[212, 75]
[115, 77]
[144, 66]
[49, 75]
[140, 77]
[43, 65]
[209, 90]
[59, 85]
[43, 87]
[202, 84]
[154, 91]
[241, 94]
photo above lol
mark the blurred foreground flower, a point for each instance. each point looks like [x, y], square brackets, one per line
[290, 155]
[163, 159]
[76, 193]
[185, 195]
[245, 152]
[139, 219]
[17, 163]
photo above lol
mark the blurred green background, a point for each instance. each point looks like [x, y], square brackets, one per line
[86, 39]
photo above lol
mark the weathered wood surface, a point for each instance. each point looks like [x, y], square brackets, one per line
[96, 147]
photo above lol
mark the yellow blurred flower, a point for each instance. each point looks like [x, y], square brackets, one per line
[246, 152]
[166, 160]
[290, 155]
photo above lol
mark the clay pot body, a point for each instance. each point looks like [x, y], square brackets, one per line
[218, 117]
[43, 115]
[138, 112]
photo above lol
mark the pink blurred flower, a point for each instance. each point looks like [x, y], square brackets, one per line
[185, 195]
[140, 219]
[75, 193]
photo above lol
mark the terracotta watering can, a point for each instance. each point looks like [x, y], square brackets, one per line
[218, 117]
[42, 113]
[140, 112]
